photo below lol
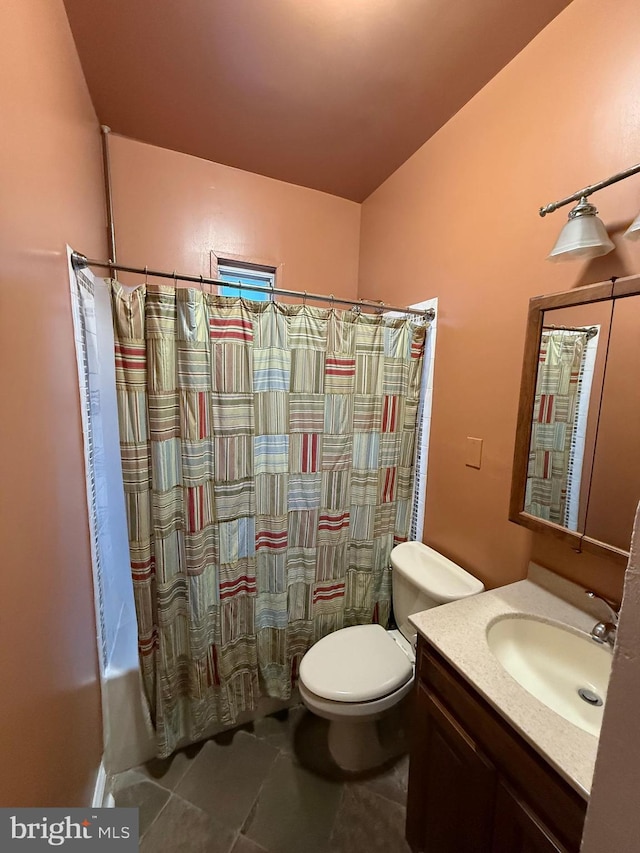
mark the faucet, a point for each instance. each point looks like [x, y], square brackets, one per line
[605, 632]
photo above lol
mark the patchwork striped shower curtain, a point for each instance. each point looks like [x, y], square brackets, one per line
[267, 454]
[555, 409]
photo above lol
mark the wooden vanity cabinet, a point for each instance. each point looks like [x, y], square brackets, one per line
[475, 786]
[518, 829]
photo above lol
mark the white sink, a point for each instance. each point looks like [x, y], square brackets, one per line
[553, 663]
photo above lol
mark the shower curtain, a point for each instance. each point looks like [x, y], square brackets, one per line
[560, 364]
[267, 454]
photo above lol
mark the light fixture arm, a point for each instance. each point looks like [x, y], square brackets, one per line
[586, 191]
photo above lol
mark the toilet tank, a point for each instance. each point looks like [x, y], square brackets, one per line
[422, 578]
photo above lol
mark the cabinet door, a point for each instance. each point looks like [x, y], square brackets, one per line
[517, 829]
[452, 785]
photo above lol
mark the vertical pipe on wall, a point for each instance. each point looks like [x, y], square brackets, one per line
[111, 232]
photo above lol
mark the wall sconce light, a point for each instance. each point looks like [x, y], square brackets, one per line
[584, 235]
[633, 231]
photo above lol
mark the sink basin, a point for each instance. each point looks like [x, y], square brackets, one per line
[555, 665]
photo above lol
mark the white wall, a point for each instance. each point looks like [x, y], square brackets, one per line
[613, 816]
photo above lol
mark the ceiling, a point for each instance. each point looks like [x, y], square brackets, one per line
[329, 94]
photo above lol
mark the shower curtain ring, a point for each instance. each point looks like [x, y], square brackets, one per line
[201, 284]
[332, 300]
[175, 279]
[304, 298]
[146, 275]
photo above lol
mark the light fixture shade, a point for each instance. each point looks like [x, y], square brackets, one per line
[583, 236]
[633, 231]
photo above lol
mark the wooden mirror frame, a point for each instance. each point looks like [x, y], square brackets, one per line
[613, 289]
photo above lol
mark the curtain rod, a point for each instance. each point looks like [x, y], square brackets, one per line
[591, 331]
[79, 261]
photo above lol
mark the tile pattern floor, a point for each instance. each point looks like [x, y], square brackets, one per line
[268, 787]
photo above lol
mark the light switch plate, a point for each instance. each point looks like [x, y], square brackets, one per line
[474, 452]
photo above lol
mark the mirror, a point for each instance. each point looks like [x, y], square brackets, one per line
[569, 378]
[576, 467]
[615, 478]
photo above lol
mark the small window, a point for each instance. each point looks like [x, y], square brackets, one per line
[239, 274]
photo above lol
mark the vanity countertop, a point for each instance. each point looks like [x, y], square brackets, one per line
[458, 631]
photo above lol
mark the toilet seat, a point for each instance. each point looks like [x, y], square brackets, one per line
[353, 711]
[357, 664]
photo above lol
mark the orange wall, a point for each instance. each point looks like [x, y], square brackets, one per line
[50, 179]
[172, 209]
[459, 221]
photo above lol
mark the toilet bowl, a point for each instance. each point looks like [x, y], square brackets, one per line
[355, 676]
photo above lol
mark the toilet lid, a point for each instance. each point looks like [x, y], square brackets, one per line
[355, 664]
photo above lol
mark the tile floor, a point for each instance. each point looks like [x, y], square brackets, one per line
[268, 787]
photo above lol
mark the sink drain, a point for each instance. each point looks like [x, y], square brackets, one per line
[589, 696]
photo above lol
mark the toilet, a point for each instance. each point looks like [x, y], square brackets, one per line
[356, 675]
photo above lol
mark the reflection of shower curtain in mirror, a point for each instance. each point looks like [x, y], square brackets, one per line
[560, 363]
[267, 453]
